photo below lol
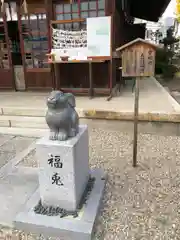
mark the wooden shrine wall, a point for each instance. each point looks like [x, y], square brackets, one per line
[34, 40]
[6, 68]
[35, 43]
[76, 76]
[118, 39]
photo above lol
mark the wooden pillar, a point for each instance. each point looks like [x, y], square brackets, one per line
[48, 7]
[91, 90]
[49, 12]
[111, 75]
[8, 48]
[21, 43]
[56, 75]
[136, 113]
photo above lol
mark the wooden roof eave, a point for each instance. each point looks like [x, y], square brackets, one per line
[136, 41]
[148, 10]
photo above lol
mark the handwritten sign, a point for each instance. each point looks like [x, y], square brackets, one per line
[138, 58]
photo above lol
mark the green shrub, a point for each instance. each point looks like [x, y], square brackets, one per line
[164, 64]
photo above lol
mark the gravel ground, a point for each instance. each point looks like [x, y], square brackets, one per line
[141, 203]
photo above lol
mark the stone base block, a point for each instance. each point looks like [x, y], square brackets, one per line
[67, 228]
[63, 169]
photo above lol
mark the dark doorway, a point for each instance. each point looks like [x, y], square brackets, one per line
[6, 67]
[13, 34]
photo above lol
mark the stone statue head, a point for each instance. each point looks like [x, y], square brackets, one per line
[60, 100]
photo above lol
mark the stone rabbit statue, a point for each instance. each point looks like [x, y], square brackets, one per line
[61, 116]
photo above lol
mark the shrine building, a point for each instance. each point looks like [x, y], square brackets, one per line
[30, 30]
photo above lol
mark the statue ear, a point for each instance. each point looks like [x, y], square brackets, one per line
[71, 99]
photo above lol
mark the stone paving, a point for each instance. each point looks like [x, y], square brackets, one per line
[12, 145]
[150, 92]
[141, 203]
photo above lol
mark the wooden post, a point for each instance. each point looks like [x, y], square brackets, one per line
[56, 76]
[136, 111]
[52, 70]
[91, 90]
[8, 49]
[48, 6]
[110, 79]
[23, 53]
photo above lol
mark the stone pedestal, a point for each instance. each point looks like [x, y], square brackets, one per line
[63, 176]
[63, 170]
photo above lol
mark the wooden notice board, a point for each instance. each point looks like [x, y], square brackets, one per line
[138, 58]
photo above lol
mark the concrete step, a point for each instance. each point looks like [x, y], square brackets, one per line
[23, 122]
[22, 111]
[33, 112]
[27, 132]
[34, 117]
[34, 126]
[165, 129]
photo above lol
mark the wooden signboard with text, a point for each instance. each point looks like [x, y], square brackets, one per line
[138, 58]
